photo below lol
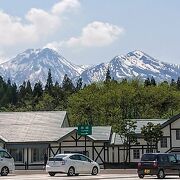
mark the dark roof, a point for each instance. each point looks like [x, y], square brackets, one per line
[171, 120]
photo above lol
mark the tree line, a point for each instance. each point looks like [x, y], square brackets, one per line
[104, 103]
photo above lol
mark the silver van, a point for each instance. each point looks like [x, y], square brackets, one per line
[6, 163]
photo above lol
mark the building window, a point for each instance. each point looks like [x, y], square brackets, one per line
[164, 142]
[136, 154]
[178, 134]
[37, 154]
[17, 154]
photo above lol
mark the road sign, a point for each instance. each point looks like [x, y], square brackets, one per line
[84, 130]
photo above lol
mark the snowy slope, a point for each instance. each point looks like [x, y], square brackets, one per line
[134, 64]
[34, 64]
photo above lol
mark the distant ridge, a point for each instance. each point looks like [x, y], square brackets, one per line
[33, 65]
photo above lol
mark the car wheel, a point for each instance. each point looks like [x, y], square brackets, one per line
[71, 171]
[52, 173]
[141, 176]
[94, 171]
[4, 171]
[161, 174]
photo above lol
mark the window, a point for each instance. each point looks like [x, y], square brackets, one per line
[178, 134]
[75, 157]
[164, 142]
[83, 158]
[37, 154]
[79, 152]
[4, 154]
[149, 157]
[136, 154]
[172, 159]
[17, 154]
[163, 158]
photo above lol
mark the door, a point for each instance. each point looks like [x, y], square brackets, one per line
[6, 160]
[87, 165]
[173, 165]
[76, 163]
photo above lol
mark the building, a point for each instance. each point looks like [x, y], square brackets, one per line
[30, 135]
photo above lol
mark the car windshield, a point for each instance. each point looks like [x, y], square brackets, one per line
[149, 157]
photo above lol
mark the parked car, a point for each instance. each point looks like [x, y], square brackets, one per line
[160, 164]
[6, 163]
[71, 164]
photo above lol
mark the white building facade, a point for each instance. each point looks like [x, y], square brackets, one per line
[28, 136]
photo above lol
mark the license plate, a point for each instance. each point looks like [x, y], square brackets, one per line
[147, 171]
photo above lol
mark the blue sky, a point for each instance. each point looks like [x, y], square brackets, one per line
[91, 31]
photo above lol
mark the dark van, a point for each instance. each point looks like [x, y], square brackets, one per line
[160, 164]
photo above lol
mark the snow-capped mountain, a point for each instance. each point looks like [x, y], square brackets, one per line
[134, 64]
[34, 64]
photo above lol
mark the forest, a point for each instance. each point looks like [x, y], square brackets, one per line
[102, 103]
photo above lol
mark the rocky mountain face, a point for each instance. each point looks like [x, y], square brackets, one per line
[134, 64]
[34, 64]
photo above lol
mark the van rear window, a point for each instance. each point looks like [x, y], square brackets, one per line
[149, 157]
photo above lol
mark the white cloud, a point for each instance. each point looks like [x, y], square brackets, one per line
[95, 34]
[65, 5]
[36, 26]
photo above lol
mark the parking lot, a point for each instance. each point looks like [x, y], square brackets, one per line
[104, 175]
[85, 177]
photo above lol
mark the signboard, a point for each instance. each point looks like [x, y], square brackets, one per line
[84, 130]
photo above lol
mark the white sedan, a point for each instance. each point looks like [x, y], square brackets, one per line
[71, 164]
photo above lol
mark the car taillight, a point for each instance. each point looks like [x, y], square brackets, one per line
[139, 165]
[63, 162]
[155, 164]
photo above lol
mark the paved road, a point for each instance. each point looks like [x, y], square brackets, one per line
[84, 177]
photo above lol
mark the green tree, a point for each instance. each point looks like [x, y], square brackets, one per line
[79, 84]
[49, 83]
[108, 76]
[152, 133]
[153, 82]
[67, 84]
[126, 129]
[178, 83]
[147, 82]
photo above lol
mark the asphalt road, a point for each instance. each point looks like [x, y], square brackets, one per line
[80, 177]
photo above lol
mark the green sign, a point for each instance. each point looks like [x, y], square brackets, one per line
[84, 130]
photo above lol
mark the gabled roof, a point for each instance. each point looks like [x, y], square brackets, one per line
[142, 122]
[31, 126]
[101, 133]
[171, 120]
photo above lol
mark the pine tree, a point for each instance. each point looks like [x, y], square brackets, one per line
[49, 83]
[67, 84]
[173, 83]
[79, 84]
[29, 88]
[14, 94]
[147, 82]
[153, 82]
[108, 76]
[178, 83]
[38, 90]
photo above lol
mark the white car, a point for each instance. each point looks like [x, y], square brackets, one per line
[6, 163]
[71, 164]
